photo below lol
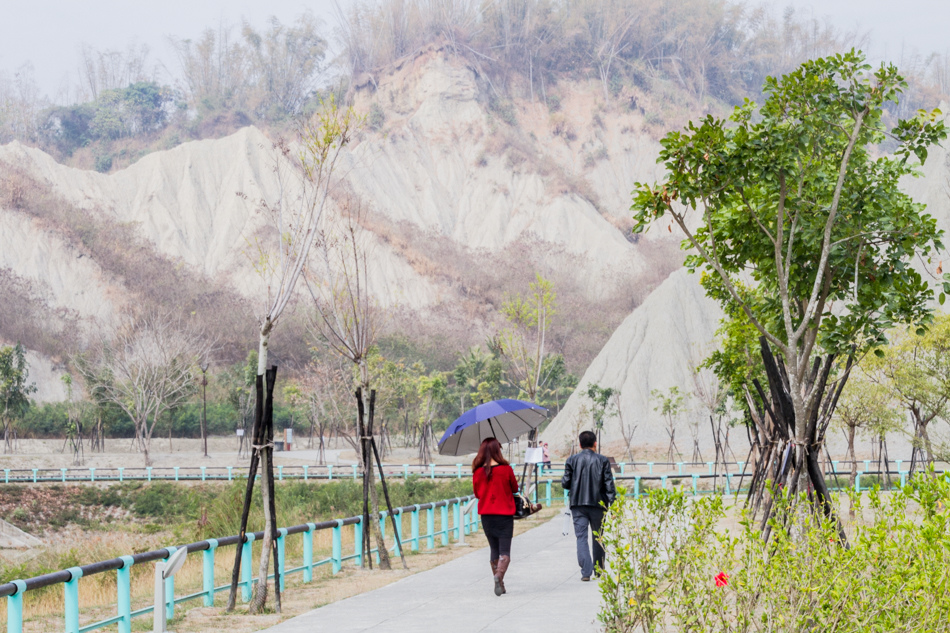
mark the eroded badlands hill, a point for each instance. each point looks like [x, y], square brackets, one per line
[465, 193]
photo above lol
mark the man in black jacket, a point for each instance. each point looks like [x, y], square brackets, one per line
[588, 477]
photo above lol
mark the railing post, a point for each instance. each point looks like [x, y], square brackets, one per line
[35, 471]
[663, 482]
[457, 519]
[710, 464]
[207, 572]
[148, 473]
[337, 554]
[903, 479]
[444, 513]
[547, 492]
[71, 599]
[623, 468]
[15, 608]
[354, 472]
[308, 553]
[679, 465]
[63, 470]
[280, 472]
[247, 581]
[204, 474]
[741, 466]
[92, 474]
[899, 462]
[398, 512]
[636, 486]
[123, 588]
[230, 474]
[430, 528]
[414, 527]
[458, 470]
[120, 473]
[329, 472]
[857, 482]
[728, 483]
[305, 467]
[405, 471]
[176, 472]
[432, 471]
[650, 465]
[695, 481]
[475, 516]
[6, 475]
[867, 465]
[358, 541]
[281, 558]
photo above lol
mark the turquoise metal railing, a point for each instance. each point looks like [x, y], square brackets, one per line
[463, 522]
[331, 472]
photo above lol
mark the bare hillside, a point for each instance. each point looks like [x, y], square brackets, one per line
[468, 197]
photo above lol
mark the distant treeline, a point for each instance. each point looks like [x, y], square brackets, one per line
[708, 50]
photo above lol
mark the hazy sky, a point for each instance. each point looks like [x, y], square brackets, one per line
[48, 33]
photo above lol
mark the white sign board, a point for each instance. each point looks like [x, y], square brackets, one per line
[534, 455]
[240, 432]
[289, 436]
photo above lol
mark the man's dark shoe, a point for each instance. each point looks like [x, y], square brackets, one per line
[585, 578]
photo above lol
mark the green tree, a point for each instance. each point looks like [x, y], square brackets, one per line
[432, 390]
[15, 390]
[523, 341]
[865, 405]
[670, 404]
[600, 398]
[916, 370]
[793, 201]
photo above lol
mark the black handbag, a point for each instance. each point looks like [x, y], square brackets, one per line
[523, 507]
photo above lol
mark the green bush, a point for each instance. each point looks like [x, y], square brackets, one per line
[672, 568]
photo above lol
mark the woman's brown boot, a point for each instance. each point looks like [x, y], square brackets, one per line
[501, 568]
[494, 567]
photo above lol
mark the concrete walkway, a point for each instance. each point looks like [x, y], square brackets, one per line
[545, 593]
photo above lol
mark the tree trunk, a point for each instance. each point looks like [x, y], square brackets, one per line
[369, 477]
[791, 439]
[267, 494]
[256, 439]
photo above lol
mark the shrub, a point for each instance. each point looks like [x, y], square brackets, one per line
[376, 117]
[672, 569]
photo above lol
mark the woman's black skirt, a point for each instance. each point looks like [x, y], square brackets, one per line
[498, 525]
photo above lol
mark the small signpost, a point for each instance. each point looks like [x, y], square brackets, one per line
[163, 571]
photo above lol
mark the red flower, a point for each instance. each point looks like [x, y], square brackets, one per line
[722, 579]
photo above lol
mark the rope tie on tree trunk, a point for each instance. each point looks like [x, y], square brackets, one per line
[258, 447]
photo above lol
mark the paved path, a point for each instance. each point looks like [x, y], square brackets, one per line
[545, 593]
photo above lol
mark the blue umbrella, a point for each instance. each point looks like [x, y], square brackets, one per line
[503, 419]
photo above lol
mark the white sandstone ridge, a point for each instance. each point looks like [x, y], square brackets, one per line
[657, 347]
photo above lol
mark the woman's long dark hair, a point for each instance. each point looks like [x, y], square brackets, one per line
[489, 451]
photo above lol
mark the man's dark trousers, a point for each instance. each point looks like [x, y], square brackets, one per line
[585, 516]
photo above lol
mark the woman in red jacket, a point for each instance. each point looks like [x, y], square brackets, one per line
[495, 484]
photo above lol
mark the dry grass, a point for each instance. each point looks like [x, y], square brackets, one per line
[43, 609]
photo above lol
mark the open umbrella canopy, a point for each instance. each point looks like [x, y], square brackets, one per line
[503, 419]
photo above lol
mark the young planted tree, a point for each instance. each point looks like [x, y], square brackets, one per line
[304, 174]
[627, 427]
[15, 390]
[601, 406]
[798, 225]
[670, 404]
[75, 407]
[348, 319]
